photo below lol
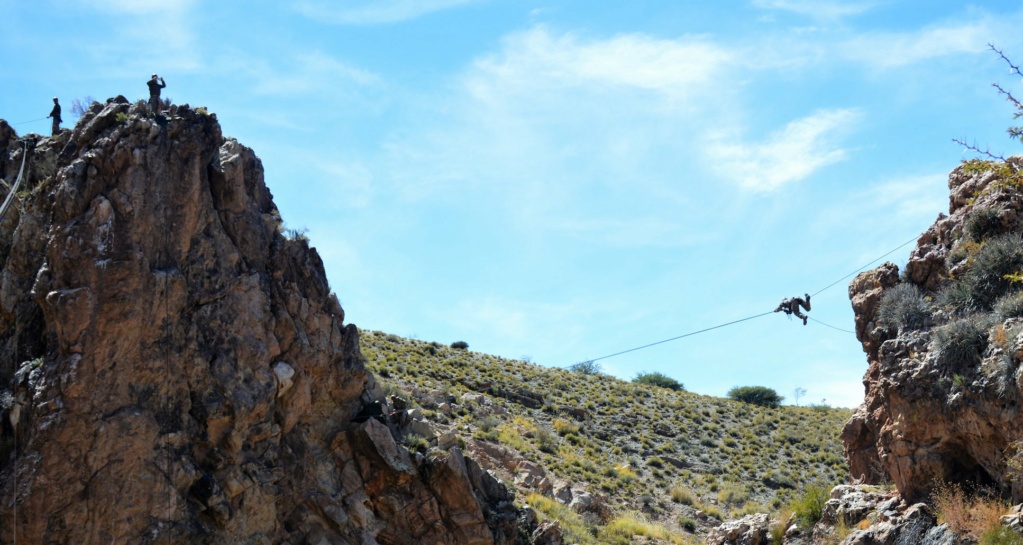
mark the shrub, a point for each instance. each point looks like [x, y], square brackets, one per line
[1001, 535]
[904, 307]
[982, 222]
[967, 513]
[809, 507]
[960, 343]
[588, 367]
[658, 379]
[989, 276]
[680, 494]
[1009, 306]
[756, 395]
[688, 524]
[460, 345]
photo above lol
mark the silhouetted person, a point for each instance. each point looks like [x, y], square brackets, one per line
[791, 306]
[55, 114]
[155, 85]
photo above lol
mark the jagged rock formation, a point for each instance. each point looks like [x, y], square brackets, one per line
[943, 400]
[175, 370]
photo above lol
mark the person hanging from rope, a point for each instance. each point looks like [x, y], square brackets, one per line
[791, 306]
[55, 114]
[155, 84]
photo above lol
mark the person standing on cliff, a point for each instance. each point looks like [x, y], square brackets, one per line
[155, 84]
[791, 306]
[55, 114]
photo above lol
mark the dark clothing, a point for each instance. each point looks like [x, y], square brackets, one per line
[55, 114]
[155, 85]
[791, 306]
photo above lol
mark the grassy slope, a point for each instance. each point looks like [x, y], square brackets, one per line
[649, 450]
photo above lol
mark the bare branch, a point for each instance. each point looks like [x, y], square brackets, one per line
[1012, 67]
[974, 148]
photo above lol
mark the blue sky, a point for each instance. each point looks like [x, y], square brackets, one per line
[562, 180]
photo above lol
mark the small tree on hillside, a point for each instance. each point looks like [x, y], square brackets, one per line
[588, 367]
[798, 393]
[757, 395]
[658, 379]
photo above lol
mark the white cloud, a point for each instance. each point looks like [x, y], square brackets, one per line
[536, 60]
[816, 9]
[893, 50]
[373, 12]
[794, 153]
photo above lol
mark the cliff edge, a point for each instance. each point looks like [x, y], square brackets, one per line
[174, 369]
[944, 342]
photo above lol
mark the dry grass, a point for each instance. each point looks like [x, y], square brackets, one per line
[967, 513]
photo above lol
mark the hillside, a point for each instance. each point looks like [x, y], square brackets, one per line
[679, 458]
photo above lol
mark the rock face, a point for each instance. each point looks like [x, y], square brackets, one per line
[928, 417]
[173, 369]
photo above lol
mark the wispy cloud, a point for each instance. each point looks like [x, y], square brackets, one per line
[791, 154]
[815, 9]
[538, 60]
[893, 50]
[373, 12]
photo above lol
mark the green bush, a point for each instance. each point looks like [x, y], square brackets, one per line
[989, 276]
[982, 222]
[904, 307]
[658, 379]
[756, 395]
[962, 342]
[1001, 535]
[460, 345]
[809, 507]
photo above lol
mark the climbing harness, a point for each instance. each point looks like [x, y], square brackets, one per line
[14, 189]
[886, 254]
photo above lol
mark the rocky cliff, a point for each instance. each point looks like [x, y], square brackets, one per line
[173, 369]
[944, 342]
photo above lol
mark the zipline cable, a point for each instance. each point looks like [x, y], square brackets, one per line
[831, 326]
[676, 338]
[690, 334]
[867, 265]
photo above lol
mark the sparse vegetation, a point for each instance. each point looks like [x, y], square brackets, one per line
[676, 451]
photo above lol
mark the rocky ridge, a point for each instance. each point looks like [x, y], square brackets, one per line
[944, 391]
[173, 369]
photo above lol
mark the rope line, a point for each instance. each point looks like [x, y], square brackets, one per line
[679, 337]
[10, 195]
[867, 265]
[831, 326]
[29, 121]
[690, 334]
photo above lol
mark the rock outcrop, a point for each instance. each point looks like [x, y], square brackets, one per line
[943, 400]
[174, 369]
